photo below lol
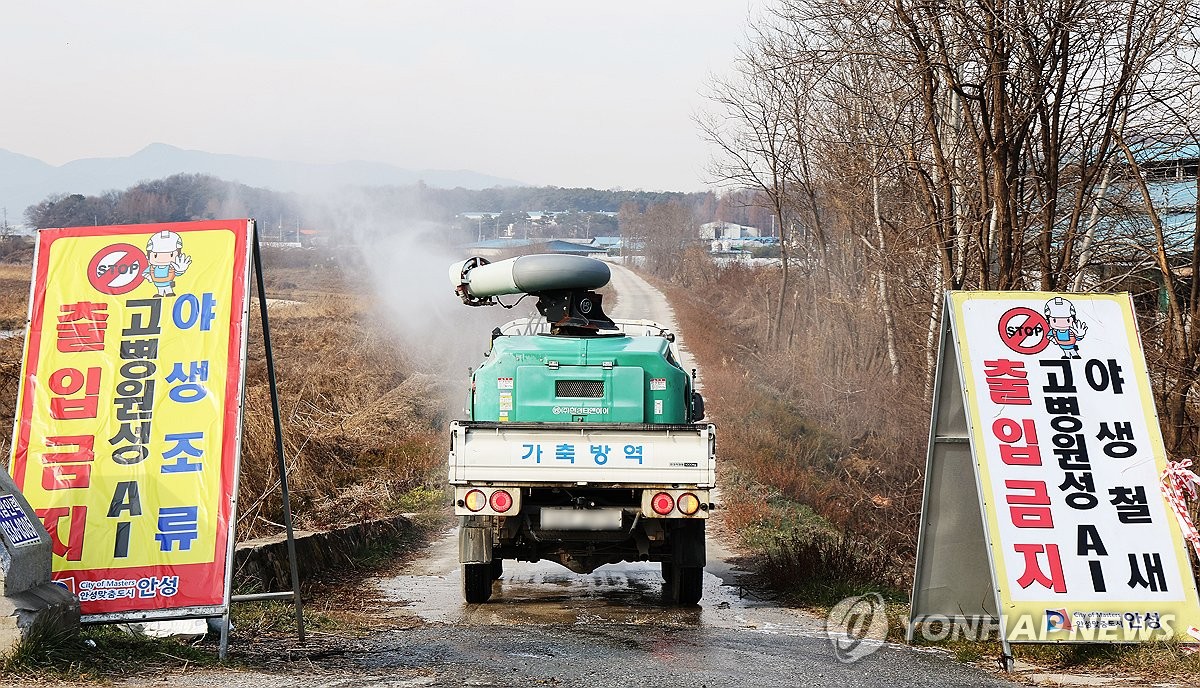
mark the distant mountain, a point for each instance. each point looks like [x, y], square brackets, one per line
[25, 181]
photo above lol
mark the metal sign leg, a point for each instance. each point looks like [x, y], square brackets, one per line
[224, 635]
[283, 479]
[294, 594]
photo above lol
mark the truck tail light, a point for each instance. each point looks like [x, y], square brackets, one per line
[501, 501]
[688, 503]
[662, 503]
[474, 500]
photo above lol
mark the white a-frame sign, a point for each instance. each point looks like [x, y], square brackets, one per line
[1044, 509]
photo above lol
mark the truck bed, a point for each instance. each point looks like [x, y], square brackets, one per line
[599, 454]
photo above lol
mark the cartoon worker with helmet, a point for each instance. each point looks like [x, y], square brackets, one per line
[164, 252]
[1066, 330]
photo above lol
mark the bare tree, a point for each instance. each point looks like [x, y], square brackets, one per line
[751, 129]
[910, 147]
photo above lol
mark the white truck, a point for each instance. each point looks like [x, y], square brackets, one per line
[585, 443]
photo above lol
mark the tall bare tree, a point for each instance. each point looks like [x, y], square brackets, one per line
[752, 129]
[960, 144]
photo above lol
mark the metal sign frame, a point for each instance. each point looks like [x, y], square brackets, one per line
[951, 582]
[293, 564]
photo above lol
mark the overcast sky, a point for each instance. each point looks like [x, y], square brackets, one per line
[555, 92]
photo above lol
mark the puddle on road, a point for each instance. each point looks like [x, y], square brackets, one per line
[546, 593]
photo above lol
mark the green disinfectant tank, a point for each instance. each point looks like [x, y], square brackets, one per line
[580, 366]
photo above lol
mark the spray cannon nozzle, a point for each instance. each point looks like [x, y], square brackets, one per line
[562, 284]
[462, 283]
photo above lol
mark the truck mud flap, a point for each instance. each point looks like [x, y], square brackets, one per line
[475, 541]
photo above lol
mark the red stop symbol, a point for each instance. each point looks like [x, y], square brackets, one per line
[117, 269]
[1024, 330]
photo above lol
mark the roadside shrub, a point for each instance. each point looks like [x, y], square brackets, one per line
[823, 568]
[805, 423]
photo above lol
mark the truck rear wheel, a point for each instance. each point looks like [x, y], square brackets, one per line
[477, 582]
[497, 568]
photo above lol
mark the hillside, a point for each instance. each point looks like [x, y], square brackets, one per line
[25, 181]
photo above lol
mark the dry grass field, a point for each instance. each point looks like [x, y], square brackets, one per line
[14, 295]
[363, 428]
